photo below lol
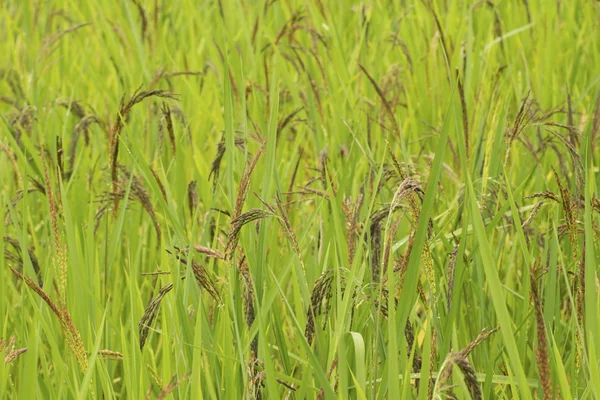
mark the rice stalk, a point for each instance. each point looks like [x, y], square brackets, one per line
[202, 277]
[166, 112]
[60, 251]
[541, 351]
[161, 187]
[236, 226]
[10, 353]
[144, 21]
[409, 332]
[386, 104]
[245, 183]
[137, 193]
[209, 252]
[115, 135]
[172, 385]
[249, 295]
[81, 128]
[110, 355]
[351, 211]
[192, 198]
[460, 359]
[432, 356]
[70, 331]
[18, 257]
[407, 187]
[73, 106]
[595, 123]
[15, 200]
[150, 313]
[22, 122]
[257, 377]
[451, 276]
[13, 162]
[284, 222]
[11, 77]
[216, 164]
[46, 50]
[569, 207]
[320, 301]
[415, 198]
[465, 115]
[533, 213]
[332, 367]
[293, 177]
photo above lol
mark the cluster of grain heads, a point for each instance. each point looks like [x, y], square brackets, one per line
[411, 190]
[10, 352]
[322, 292]
[82, 128]
[531, 115]
[204, 280]
[321, 300]
[405, 189]
[460, 359]
[128, 182]
[570, 205]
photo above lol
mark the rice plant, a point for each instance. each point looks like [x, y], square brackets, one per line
[300, 199]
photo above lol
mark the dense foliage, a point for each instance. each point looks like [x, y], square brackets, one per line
[302, 199]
